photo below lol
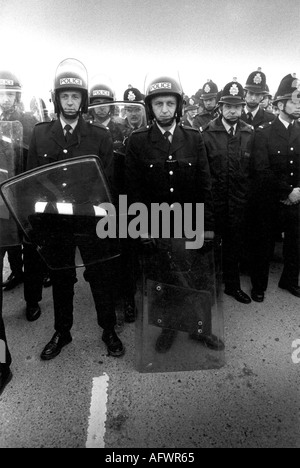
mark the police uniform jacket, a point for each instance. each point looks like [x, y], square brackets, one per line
[260, 118]
[203, 119]
[157, 172]
[48, 145]
[276, 158]
[229, 161]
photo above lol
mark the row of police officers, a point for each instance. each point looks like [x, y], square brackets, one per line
[246, 178]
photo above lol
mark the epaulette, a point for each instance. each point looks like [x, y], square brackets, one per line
[142, 129]
[43, 123]
[265, 125]
[187, 127]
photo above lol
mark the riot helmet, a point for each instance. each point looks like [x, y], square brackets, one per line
[164, 85]
[71, 74]
[100, 92]
[9, 84]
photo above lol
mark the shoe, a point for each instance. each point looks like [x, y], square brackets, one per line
[114, 345]
[165, 340]
[12, 281]
[130, 312]
[5, 377]
[210, 341]
[295, 290]
[54, 347]
[238, 295]
[33, 312]
[257, 296]
[47, 282]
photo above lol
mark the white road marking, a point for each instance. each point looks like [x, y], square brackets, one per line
[98, 411]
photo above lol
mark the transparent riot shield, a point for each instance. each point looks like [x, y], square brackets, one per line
[11, 164]
[179, 301]
[60, 207]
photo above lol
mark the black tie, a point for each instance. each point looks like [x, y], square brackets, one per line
[290, 129]
[250, 117]
[167, 135]
[231, 131]
[68, 134]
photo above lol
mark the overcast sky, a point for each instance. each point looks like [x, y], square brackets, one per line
[126, 39]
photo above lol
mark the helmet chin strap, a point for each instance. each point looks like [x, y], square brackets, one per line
[166, 124]
[290, 116]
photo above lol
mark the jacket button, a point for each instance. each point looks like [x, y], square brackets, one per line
[291, 162]
[45, 155]
[65, 151]
[292, 149]
[171, 173]
[171, 190]
[170, 157]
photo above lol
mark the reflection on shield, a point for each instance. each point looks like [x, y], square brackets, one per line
[180, 319]
[11, 163]
[58, 208]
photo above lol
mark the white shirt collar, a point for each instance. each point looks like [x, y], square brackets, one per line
[73, 125]
[252, 112]
[163, 130]
[285, 123]
[228, 127]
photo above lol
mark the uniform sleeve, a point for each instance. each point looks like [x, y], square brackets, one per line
[32, 158]
[134, 184]
[205, 185]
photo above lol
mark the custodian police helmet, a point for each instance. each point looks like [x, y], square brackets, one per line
[233, 93]
[168, 86]
[289, 88]
[257, 82]
[209, 90]
[71, 74]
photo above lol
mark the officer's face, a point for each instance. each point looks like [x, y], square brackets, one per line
[292, 108]
[192, 113]
[164, 107]
[7, 100]
[134, 115]
[232, 112]
[103, 111]
[210, 104]
[253, 99]
[70, 101]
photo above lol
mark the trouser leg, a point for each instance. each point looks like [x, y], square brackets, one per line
[15, 259]
[5, 356]
[291, 246]
[34, 270]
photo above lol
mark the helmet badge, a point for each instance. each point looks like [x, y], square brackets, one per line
[131, 96]
[234, 90]
[257, 79]
[207, 89]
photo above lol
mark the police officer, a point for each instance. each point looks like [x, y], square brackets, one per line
[6, 235]
[276, 160]
[166, 162]
[255, 92]
[101, 93]
[228, 144]
[68, 137]
[266, 103]
[209, 99]
[133, 114]
[190, 112]
[10, 110]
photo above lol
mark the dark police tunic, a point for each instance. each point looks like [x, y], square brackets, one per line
[260, 118]
[158, 172]
[48, 145]
[229, 161]
[276, 159]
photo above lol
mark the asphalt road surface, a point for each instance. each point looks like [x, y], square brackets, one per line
[84, 398]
